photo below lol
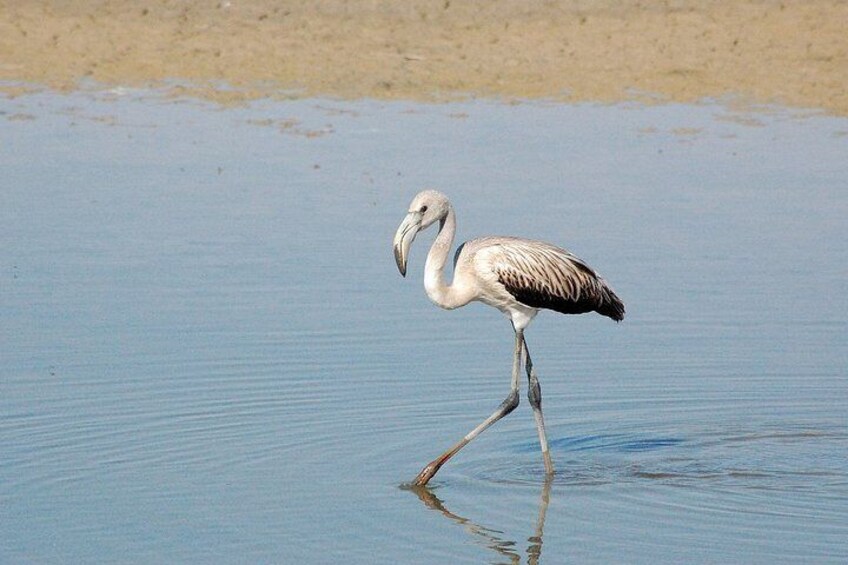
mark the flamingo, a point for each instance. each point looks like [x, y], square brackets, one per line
[515, 275]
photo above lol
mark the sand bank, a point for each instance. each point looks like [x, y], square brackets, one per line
[792, 53]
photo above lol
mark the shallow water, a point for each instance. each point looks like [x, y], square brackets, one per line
[208, 353]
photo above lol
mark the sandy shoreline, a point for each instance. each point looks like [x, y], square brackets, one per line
[791, 53]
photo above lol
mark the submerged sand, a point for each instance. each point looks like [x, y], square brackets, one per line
[791, 53]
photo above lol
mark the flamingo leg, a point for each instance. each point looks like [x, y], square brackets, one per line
[508, 405]
[534, 394]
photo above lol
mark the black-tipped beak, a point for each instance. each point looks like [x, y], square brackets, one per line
[400, 260]
[404, 237]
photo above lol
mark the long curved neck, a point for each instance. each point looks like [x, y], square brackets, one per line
[441, 293]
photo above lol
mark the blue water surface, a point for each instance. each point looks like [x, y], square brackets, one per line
[207, 353]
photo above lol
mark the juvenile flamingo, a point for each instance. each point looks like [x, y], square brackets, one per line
[518, 277]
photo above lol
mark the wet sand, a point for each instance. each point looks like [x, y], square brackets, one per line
[759, 52]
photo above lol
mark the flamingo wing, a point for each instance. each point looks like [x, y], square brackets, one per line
[542, 275]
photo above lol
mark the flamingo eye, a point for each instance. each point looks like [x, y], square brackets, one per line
[423, 209]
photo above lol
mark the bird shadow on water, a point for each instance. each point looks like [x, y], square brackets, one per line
[614, 458]
[614, 442]
[489, 537]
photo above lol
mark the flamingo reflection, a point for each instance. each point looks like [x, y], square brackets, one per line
[491, 538]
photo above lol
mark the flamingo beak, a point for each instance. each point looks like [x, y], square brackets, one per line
[404, 236]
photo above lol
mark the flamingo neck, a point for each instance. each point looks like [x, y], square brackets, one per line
[442, 294]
